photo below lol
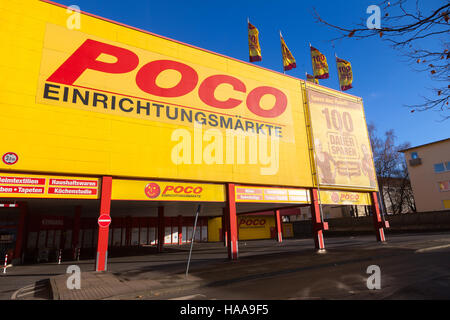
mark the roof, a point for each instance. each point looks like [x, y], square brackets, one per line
[426, 144]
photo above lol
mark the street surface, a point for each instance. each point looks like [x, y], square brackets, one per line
[412, 266]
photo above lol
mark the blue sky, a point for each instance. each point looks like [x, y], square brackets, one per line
[381, 77]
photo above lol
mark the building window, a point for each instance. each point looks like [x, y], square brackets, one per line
[414, 155]
[439, 167]
[447, 165]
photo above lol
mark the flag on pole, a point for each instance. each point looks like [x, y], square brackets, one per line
[288, 58]
[345, 74]
[311, 78]
[320, 65]
[253, 43]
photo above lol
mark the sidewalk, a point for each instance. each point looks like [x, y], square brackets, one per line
[158, 274]
[155, 282]
[105, 285]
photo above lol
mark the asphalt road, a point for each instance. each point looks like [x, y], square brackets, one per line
[412, 266]
[403, 276]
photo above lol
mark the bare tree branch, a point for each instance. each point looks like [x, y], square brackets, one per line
[409, 29]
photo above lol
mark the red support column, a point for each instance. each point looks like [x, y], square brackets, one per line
[317, 224]
[224, 227]
[378, 223]
[279, 226]
[232, 223]
[180, 230]
[161, 229]
[76, 230]
[23, 207]
[103, 232]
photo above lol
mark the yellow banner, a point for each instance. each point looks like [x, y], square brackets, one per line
[166, 191]
[288, 58]
[343, 155]
[271, 195]
[42, 186]
[344, 197]
[345, 74]
[253, 43]
[320, 65]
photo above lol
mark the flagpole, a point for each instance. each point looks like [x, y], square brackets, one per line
[312, 63]
[316, 169]
[282, 61]
[337, 68]
[248, 38]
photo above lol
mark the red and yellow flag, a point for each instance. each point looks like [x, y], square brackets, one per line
[253, 43]
[288, 58]
[320, 65]
[345, 74]
[311, 78]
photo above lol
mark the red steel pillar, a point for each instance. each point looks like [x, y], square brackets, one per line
[76, 230]
[279, 226]
[23, 207]
[378, 223]
[224, 227]
[103, 232]
[318, 225]
[180, 230]
[232, 238]
[161, 229]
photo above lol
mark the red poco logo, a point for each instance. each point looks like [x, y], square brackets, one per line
[335, 197]
[152, 190]
[252, 222]
[182, 190]
[85, 58]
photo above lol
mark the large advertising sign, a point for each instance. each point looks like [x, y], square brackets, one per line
[98, 75]
[342, 151]
[106, 99]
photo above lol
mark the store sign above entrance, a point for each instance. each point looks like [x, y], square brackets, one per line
[271, 195]
[143, 190]
[344, 198]
[40, 186]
